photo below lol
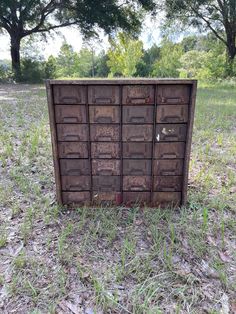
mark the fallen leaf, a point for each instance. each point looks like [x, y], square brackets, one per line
[225, 257]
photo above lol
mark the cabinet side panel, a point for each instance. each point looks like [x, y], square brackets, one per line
[188, 141]
[54, 141]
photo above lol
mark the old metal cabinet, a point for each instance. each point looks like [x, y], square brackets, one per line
[123, 141]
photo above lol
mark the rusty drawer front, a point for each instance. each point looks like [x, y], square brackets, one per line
[138, 114]
[136, 167]
[171, 132]
[106, 167]
[70, 198]
[168, 167]
[136, 183]
[138, 94]
[105, 150]
[173, 94]
[166, 199]
[73, 150]
[70, 114]
[106, 198]
[137, 133]
[167, 183]
[74, 167]
[136, 198]
[75, 183]
[137, 150]
[104, 114]
[69, 94]
[169, 150]
[172, 114]
[72, 132]
[106, 183]
[104, 133]
[103, 94]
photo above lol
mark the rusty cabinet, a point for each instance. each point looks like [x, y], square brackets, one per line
[121, 141]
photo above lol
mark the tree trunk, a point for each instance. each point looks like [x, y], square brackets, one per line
[231, 53]
[15, 57]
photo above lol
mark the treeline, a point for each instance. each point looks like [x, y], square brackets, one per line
[201, 57]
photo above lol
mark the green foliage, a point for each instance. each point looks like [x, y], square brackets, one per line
[67, 61]
[169, 63]
[5, 73]
[32, 71]
[50, 68]
[145, 66]
[124, 55]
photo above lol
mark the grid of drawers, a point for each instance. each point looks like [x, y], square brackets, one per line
[121, 143]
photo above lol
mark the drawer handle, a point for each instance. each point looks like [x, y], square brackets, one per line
[72, 100]
[169, 155]
[103, 119]
[70, 119]
[138, 100]
[137, 119]
[103, 100]
[103, 155]
[71, 138]
[76, 187]
[103, 138]
[171, 100]
[171, 118]
[73, 155]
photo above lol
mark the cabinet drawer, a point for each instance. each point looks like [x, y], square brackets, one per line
[106, 198]
[173, 94]
[104, 133]
[72, 132]
[106, 167]
[138, 94]
[136, 198]
[136, 167]
[137, 114]
[137, 150]
[104, 114]
[75, 183]
[166, 199]
[167, 183]
[69, 94]
[79, 198]
[169, 150]
[137, 133]
[103, 94]
[168, 167]
[105, 150]
[172, 114]
[137, 183]
[74, 167]
[106, 183]
[70, 114]
[73, 150]
[171, 132]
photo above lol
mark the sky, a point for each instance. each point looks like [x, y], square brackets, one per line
[149, 36]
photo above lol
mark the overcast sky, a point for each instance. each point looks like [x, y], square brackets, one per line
[149, 35]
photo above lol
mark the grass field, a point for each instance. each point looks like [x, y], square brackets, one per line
[116, 260]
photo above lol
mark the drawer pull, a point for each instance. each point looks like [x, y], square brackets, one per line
[137, 119]
[70, 119]
[171, 100]
[103, 100]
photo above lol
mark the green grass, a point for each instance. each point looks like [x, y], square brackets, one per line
[116, 260]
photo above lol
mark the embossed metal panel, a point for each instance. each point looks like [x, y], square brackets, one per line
[74, 167]
[105, 150]
[172, 114]
[75, 183]
[167, 183]
[104, 133]
[173, 94]
[138, 94]
[134, 133]
[138, 114]
[73, 150]
[104, 114]
[70, 114]
[171, 132]
[121, 141]
[106, 183]
[103, 95]
[137, 151]
[169, 150]
[69, 94]
[106, 167]
[72, 132]
[168, 167]
[136, 167]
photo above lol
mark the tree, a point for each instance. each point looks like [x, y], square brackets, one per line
[169, 63]
[218, 16]
[145, 66]
[21, 18]
[124, 55]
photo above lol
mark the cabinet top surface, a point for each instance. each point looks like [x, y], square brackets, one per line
[122, 81]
